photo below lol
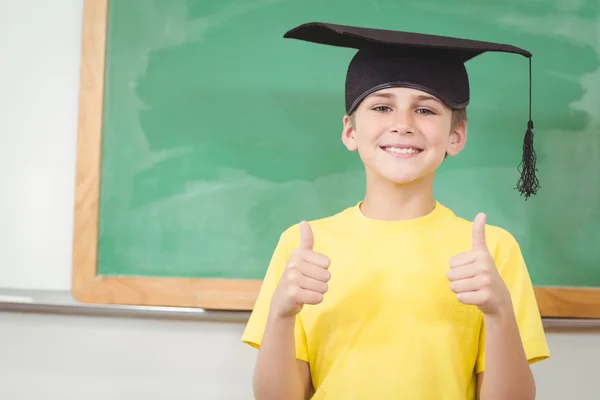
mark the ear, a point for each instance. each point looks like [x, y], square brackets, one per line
[457, 139]
[348, 134]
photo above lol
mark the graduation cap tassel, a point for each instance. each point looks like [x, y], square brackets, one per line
[528, 183]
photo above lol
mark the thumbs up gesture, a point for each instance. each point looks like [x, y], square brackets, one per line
[305, 278]
[474, 278]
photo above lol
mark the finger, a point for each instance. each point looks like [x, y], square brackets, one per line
[318, 259]
[462, 259]
[475, 298]
[463, 272]
[467, 285]
[309, 297]
[479, 242]
[311, 284]
[315, 272]
[307, 240]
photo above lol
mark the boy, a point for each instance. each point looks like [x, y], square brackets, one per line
[396, 297]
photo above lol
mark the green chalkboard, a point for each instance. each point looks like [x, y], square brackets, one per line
[217, 133]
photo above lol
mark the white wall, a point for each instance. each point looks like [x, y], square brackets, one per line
[54, 357]
[39, 68]
[88, 357]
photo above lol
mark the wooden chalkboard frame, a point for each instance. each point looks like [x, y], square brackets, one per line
[220, 294]
[86, 285]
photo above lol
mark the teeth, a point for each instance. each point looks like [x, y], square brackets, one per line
[401, 151]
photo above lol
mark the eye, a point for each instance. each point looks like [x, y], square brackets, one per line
[382, 109]
[425, 111]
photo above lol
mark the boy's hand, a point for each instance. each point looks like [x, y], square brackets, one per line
[304, 280]
[474, 278]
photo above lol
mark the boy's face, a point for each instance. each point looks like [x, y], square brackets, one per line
[403, 134]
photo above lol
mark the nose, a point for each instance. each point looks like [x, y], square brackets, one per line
[403, 123]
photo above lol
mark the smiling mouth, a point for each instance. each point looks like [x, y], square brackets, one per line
[402, 151]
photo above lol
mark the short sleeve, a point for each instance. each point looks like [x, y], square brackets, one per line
[253, 333]
[513, 270]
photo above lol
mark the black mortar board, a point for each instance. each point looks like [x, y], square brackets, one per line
[433, 64]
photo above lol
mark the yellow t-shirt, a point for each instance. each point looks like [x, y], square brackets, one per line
[389, 326]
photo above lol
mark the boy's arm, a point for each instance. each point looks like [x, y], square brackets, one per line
[512, 335]
[278, 374]
[507, 371]
[274, 326]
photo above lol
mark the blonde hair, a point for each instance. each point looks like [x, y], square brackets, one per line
[459, 116]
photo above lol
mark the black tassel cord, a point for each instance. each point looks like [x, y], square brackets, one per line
[528, 183]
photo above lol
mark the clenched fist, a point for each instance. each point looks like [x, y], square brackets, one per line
[304, 280]
[474, 277]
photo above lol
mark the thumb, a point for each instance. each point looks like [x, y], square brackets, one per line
[479, 242]
[307, 240]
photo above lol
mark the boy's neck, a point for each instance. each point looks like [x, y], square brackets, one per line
[386, 201]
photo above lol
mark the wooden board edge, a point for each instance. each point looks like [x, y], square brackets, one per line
[568, 302]
[240, 295]
[210, 294]
[89, 142]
